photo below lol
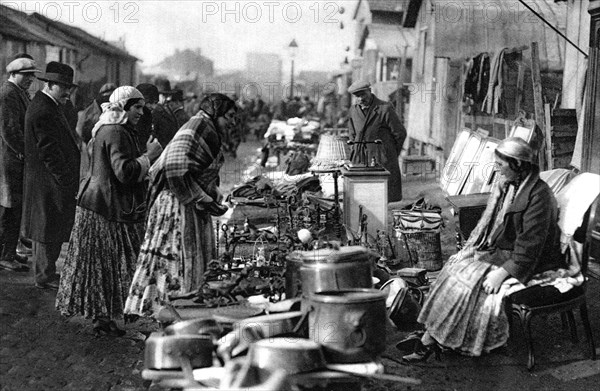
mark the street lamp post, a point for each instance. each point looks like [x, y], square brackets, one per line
[293, 48]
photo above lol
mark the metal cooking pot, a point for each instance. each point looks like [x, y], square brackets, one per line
[350, 324]
[169, 351]
[207, 326]
[332, 269]
[292, 355]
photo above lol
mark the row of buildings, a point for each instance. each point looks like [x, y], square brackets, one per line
[416, 52]
[94, 60]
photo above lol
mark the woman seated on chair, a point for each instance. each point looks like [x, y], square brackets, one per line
[517, 236]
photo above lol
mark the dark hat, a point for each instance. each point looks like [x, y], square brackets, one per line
[60, 73]
[107, 89]
[360, 85]
[164, 86]
[22, 65]
[149, 91]
[177, 95]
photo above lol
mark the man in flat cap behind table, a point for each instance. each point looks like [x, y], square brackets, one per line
[373, 119]
[52, 159]
[14, 100]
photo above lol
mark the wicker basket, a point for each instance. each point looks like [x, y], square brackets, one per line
[422, 248]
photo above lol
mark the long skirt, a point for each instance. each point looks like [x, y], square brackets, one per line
[458, 314]
[178, 244]
[99, 264]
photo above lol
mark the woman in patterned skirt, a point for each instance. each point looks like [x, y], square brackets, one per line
[517, 236]
[184, 194]
[109, 222]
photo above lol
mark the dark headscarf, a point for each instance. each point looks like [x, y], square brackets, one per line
[216, 105]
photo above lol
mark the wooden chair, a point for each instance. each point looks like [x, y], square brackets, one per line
[538, 300]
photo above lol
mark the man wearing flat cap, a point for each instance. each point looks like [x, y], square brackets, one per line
[51, 182]
[14, 100]
[373, 119]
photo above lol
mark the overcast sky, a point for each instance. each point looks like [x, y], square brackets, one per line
[224, 30]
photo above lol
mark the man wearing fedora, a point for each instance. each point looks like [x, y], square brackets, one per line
[373, 119]
[52, 160]
[169, 115]
[14, 99]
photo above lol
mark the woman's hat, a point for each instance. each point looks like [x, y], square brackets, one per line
[164, 86]
[60, 73]
[516, 148]
[123, 94]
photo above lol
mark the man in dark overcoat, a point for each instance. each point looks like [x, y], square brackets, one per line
[373, 119]
[14, 100]
[168, 115]
[52, 160]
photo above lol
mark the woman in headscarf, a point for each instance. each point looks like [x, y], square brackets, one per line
[184, 193]
[517, 236]
[109, 222]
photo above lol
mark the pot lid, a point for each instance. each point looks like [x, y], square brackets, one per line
[332, 255]
[348, 296]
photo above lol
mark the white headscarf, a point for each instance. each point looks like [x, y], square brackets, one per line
[113, 112]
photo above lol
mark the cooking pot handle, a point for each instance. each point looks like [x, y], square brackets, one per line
[188, 371]
[358, 334]
[303, 319]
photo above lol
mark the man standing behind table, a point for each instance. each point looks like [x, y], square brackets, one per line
[14, 100]
[52, 160]
[373, 119]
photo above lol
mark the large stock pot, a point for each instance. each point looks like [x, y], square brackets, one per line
[349, 324]
[330, 269]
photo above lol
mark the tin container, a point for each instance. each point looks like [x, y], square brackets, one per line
[349, 324]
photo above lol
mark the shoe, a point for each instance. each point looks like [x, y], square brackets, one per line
[13, 265]
[422, 353]
[51, 285]
[23, 250]
[409, 343]
[107, 327]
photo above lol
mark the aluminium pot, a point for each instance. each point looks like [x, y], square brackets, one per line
[332, 269]
[349, 324]
[168, 351]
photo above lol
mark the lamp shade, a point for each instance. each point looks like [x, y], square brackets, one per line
[333, 152]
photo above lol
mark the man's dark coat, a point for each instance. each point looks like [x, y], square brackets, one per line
[380, 121]
[51, 172]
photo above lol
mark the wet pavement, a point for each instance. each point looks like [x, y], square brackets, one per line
[41, 350]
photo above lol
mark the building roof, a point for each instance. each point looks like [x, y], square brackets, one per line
[16, 31]
[38, 28]
[78, 36]
[30, 29]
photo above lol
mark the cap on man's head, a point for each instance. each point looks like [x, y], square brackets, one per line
[357, 86]
[22, 65]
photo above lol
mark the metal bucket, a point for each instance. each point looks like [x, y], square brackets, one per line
[333, 269]
[350, 324]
